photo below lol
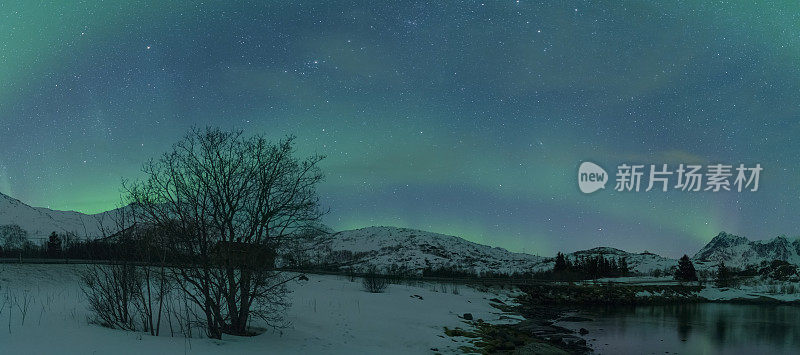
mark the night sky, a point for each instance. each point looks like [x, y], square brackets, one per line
[467, 118]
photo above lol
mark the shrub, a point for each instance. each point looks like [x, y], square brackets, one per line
[375, 282]
[125, 296]
[112, 292]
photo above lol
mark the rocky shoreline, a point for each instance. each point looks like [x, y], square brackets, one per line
[537, 333]
[542, 307]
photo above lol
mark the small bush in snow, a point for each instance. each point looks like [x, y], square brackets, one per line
[374, 282]
[112, 292]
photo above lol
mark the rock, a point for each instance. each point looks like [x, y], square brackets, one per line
[575, 319]
[538, 348]
[571, 340]
[583, 331]
[468, 316]
[302, 278]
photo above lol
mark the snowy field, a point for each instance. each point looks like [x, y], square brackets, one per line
[44, 311]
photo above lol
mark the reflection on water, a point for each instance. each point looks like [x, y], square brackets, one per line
[693, 329]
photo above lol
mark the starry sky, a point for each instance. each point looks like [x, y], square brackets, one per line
[466, 118]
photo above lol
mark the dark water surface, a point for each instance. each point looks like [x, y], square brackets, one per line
[709, 328]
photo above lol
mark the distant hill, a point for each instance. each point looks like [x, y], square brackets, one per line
[643, 263]
[415, 250]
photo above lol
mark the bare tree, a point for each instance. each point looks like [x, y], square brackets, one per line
[129, 293]
[226, 203]
[12, 237]
[113, 292]
[68, 241]
[152, 250]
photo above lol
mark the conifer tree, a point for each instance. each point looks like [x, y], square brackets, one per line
[623, 267]
[54, 245]
[686, 271]
[561, 263]
[723, 276]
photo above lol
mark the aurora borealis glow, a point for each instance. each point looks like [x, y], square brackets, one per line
[466, 118]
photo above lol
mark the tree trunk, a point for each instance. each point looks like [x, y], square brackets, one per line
[240, 322]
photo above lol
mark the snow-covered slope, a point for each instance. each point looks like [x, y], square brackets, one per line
[740, 252]
[40, 222]
[412, 250]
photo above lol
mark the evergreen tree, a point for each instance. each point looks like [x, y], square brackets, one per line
[613, 267]
[686, 271]
[723, 276]
[602, 266]
[54, 245]
[623, 267]
[591, 267]
[561, 263]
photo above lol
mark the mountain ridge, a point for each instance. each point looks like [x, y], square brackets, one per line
[742, 252]
[417, 250]
[39, 222]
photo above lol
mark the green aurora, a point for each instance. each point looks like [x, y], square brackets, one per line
[466, 118]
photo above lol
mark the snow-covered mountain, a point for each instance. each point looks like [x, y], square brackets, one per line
[413, 251]
[740, 252]
[39, 222]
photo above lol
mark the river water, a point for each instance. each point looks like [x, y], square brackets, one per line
[708, 328]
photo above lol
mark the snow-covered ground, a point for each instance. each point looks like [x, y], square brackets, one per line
[782, 291]
[330, 314]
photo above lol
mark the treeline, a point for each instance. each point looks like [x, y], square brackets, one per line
[580, 268]
[15, 243]
[452, 272]
[134, 247]
[589, 267]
